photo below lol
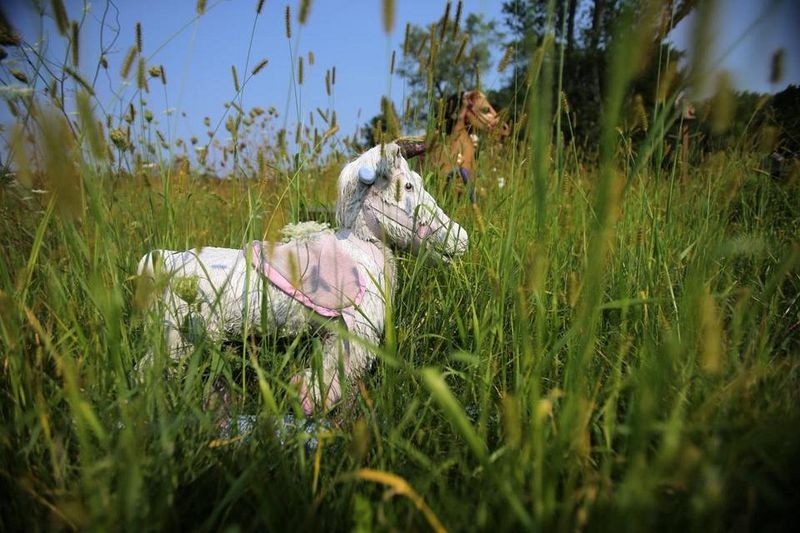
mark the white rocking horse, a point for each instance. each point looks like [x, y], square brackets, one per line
[346, 274]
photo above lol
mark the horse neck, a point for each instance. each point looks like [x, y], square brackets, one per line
[363, 232]
[461, 143]
[444, 149]
[460, 127]
[373, 246]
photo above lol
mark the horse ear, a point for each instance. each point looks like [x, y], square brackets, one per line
[469, 97]
[411, 146]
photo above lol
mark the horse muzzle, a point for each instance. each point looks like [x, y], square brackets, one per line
[448, 240]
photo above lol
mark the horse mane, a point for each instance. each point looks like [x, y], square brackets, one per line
[451, 111]
[351, 192]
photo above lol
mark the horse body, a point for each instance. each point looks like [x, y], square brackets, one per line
[213, 292]
[229, 291]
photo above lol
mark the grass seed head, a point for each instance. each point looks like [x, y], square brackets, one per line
[235, 76]
[300, 70]
[8, 35]
[461, 48]
[305, 8]
[722, 104]
[506, 59]
[139, 37]
[74, 48]
[776, 65]
[186, 288]
[259, 66]
[60, 14]
[457, 19]
[127, 63]
[59, 162]
[130, 116]
[20, 76]
[445, 19]
[387, 10]
[79, 79]
[141, 76]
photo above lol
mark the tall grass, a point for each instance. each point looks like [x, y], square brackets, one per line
[617, 350]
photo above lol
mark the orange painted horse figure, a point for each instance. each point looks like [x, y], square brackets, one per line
[465, 116]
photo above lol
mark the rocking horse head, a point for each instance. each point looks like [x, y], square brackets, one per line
[382, 199]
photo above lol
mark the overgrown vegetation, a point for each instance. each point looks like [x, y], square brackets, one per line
[619, 348]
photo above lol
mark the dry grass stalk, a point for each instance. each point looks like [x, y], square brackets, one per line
[78, 78]
[388, 9]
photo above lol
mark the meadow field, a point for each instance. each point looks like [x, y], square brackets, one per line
[618, 349]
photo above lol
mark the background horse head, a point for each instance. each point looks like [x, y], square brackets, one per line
[466, 117]
[471, 111]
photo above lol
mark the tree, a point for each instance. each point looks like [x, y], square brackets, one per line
[785, 112]
[437, 61]
[443, 59]
[585, 29]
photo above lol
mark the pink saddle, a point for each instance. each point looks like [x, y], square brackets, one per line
[319, 274]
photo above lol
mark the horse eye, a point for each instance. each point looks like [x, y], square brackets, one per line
[409, 186]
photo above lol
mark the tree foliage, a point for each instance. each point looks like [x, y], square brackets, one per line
[437, 61]
[451, 55]
[583, 30]
[785, 112]
[444, 58]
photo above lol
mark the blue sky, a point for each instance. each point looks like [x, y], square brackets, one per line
[198, 52]
[746, 34]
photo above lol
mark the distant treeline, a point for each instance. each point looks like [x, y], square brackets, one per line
[567, 53]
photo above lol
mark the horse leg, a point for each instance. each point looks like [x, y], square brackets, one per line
[183, 328]
[342, 362]
[321, 389]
